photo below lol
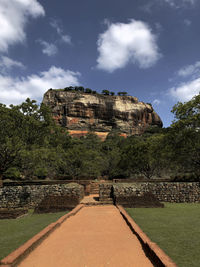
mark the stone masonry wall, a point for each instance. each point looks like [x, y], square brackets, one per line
[105, 191]
[31, 195]
[165, 192]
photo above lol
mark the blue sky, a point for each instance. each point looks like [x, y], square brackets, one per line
[148, 48]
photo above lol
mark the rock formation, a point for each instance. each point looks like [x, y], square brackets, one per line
[81, 112]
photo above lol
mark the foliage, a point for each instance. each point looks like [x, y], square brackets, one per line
[12, 173]
[122, 93]
[41, 172]
[33, 146]
[185, 135]
[88, 90]
[105, 92]
[187, 114]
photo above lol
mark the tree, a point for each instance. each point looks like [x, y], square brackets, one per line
[88, 90]
[185, 135]
[10, 137]
[143, 155]
[111, 149]
[187, 114]
[112, 93]
[34, 122]
[69, 88]
[105, 92]
[123, 93]
[81, 88]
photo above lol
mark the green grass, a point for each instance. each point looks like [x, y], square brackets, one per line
[175, 228]
[15, 232]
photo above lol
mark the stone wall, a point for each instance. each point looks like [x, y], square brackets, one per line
[105, 191]
[164, 191]
[31, 195]
[175, 192]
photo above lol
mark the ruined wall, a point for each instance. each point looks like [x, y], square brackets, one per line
[105, 191]
[31, 195]
[165, 192]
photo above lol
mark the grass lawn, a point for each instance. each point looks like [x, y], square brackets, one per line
[175, 228]
[15, 232]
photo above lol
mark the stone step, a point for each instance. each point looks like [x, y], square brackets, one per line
[96, 191]
[107, 200]
[94, 187]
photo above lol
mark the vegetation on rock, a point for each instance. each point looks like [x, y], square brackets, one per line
[89, 91]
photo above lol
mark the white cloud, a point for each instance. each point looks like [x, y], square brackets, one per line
[150, 6]
[186, 91]
[16, 90]
[14, 15]
[187, 22]
[48, 48]
[7, 63]
[122, 43]
[190, 70]
[180, 3]
[156, 102]
[64, 37]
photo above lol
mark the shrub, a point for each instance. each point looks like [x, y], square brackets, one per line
[12, 173]
[88, 90]
[41, 172]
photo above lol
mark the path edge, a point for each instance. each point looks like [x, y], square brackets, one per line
[158, 256]
[15, 257]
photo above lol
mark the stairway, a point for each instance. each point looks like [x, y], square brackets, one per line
[94, 188]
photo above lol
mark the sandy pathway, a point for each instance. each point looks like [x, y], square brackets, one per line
[96, 236]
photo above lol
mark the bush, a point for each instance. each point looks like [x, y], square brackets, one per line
[41, 173]
[185, 177]
[12, 173]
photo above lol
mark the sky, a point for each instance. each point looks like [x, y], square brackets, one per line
[148, 48]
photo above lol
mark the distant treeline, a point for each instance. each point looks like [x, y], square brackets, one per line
[32, 146]
[89, 91]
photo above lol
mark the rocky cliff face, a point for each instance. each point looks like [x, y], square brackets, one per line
[82, 112]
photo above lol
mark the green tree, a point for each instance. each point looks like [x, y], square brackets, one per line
[105, 92]
[184, 135]
[34, 122]
[187, 114]
[143, 155]
[88, 90]
[111, 149]
[10, 137]
[123, 93]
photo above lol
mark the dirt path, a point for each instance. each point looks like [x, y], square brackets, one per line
[96, 236]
